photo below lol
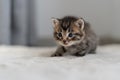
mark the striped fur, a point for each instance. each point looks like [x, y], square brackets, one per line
[72, 35]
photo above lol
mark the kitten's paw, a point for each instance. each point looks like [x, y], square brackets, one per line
[79, 54]
[92, 52]
[56, 55]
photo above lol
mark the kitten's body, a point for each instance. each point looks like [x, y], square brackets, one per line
[82, 41]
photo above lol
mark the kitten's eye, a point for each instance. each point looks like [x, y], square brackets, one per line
[70, 35]
[60, 34]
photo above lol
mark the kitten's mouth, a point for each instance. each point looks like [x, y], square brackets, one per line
[65, 42]
[69, 43]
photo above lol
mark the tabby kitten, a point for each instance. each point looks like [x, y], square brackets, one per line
[74, 36]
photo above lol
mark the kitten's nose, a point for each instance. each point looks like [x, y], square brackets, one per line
[64, 41]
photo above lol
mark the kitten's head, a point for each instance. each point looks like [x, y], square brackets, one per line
[68, 30]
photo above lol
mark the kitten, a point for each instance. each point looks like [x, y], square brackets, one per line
[74, 36]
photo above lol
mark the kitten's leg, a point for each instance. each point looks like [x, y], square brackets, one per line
[77, 50]
[86, 49]
[59, 52]
[80, 53]
[93, 48]
[92, 51]
[75, 53]
[82, 50]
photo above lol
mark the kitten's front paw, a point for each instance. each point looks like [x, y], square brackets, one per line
[79, 54]
[56, 55]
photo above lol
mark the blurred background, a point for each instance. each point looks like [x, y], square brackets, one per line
[28, 22]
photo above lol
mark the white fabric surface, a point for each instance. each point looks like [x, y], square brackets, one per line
[24, 63]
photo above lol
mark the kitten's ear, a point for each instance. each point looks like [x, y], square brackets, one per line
[55, 21]
[80, 23]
